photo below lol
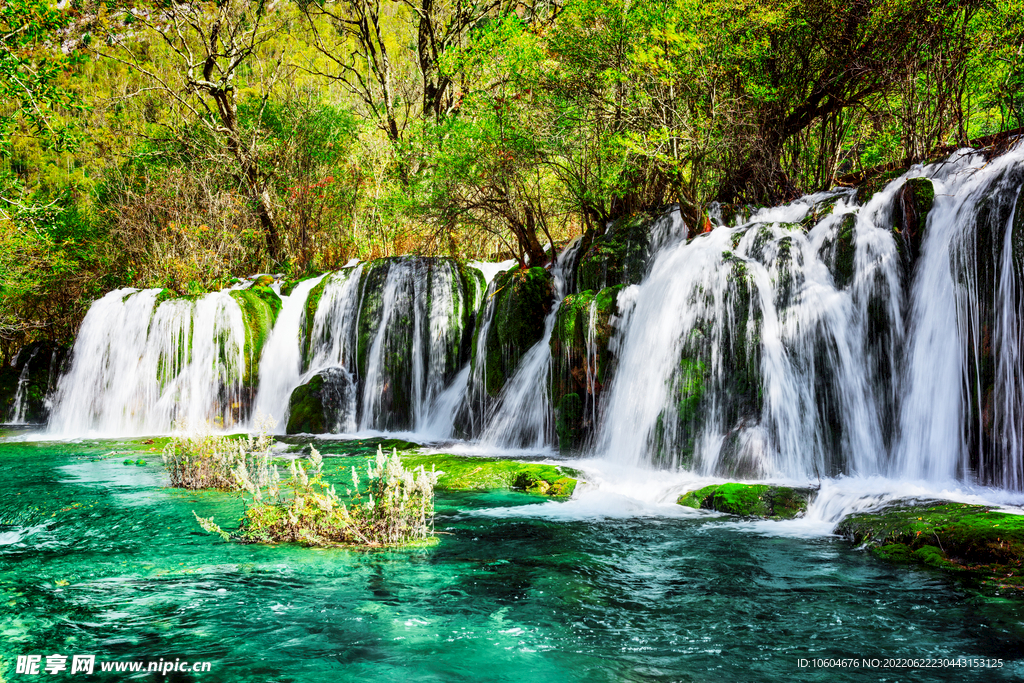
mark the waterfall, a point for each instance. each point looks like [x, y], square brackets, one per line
[521, 418]
[721, 359]
[20, 397]
[396, 327]
[947, 412]
[138, 367]
[825, 337]
[283, 353]
[1009, 388]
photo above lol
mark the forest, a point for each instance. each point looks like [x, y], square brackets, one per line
[182, 144]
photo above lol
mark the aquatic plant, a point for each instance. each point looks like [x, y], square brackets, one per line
[199, 459]
[398, 508]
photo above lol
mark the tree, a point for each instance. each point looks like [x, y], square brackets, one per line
[208, 45]
[800, 62]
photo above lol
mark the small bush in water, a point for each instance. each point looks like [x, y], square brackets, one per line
[201, 460]
[398, 506]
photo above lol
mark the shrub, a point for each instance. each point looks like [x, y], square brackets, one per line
[201, 460]
[398, 507]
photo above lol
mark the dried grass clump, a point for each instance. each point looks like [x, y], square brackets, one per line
[396, 507]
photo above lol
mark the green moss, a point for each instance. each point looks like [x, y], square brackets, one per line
[523, 300]
[306, 408]
[260, 307]
[966, 538]
[288, 286]
[691, 388]
[619, 256]
[165, 295]
[470, 473]
[749, 500]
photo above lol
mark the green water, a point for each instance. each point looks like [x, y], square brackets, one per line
[96, 557]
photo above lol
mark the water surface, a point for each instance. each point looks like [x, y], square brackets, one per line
[97, 557]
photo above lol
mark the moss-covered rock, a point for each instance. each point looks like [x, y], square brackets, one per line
[749, 500]
[581, 361]
[325, 404]
[522, 301]
[619, 256]
[306, 408]
[471, 473]
[974, 539]
[26, 383]
[260, 307]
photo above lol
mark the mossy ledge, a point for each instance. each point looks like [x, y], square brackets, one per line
[749, 500]
[465, 473]
[974, 540]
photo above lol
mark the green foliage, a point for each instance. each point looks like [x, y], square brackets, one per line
[32, 70]
[469, 131]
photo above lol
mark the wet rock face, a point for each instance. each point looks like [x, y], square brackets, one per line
[581, 362]
[619, 256]
[26, 384]
[523, 298]
[325, 404]
[910, 216]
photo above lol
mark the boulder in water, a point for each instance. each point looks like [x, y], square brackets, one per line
[324, 404]
[973, 539]
[750, 500]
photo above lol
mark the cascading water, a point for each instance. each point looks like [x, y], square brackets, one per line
[803, 342]
[521, 418]
[784, 348]
[17, 416]
[139, 367]
[723, 348]
[393, 332]
[283, 351]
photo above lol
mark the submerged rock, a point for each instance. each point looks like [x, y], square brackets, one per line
[750, 500]
[974, 539]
